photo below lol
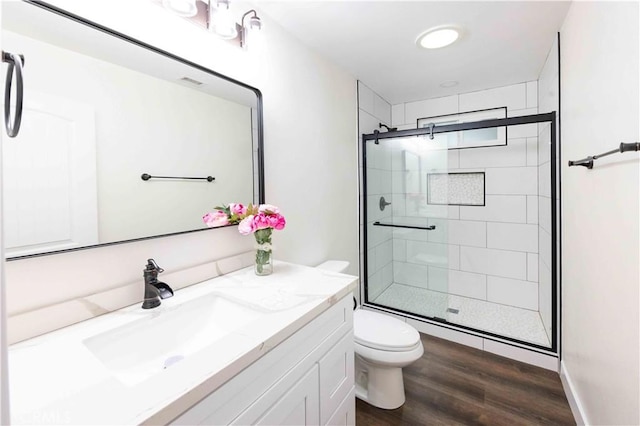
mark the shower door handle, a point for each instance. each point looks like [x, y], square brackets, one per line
[15, 62]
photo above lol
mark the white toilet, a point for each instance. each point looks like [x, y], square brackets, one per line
[383, 346]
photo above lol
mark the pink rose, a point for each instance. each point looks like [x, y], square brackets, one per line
[217, 218]
[276, 221]
[237, 209]
[268, 208]
[247, 225]
[261, 221]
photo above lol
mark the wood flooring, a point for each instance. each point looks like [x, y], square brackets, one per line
[454, 384]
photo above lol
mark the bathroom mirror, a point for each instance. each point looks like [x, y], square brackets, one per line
[100, 111]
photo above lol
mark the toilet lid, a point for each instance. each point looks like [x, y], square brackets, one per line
[379, 331]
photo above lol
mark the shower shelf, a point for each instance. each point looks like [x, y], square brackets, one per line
[393, 225]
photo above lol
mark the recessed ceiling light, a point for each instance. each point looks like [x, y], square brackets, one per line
[436, 38]
[450, 83]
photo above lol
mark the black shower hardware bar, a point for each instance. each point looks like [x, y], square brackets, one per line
[15, 62]
[588, 162]
[146, 176]
[484, 124]
[391, 225]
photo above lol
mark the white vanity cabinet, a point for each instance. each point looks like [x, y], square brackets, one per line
[306, 380]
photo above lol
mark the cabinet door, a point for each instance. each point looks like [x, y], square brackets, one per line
[345, 415]
[336, 376]
[298, 406]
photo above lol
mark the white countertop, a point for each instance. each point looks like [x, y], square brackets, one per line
[56, 379]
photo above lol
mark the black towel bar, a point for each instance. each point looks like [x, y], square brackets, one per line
[588, 162]
[146, 176]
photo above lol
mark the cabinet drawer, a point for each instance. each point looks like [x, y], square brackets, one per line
[336, 376]
[345, 415]
[298, 406]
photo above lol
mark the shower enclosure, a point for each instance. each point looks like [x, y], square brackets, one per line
[461, 222]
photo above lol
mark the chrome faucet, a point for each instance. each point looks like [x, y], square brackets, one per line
[154, 290]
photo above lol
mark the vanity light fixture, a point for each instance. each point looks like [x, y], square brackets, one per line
[254, 23]
[438, 37]
[221, 22]
[216, 17]
[184, 8]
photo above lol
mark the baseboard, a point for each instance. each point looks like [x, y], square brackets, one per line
[572, 397]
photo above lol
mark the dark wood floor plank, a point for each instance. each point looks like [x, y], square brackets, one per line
[458, 385]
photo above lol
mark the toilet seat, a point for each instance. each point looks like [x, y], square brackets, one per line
[384, 333]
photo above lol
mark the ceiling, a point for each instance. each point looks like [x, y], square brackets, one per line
[503, 42]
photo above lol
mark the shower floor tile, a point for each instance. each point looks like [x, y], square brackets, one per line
[508, 321]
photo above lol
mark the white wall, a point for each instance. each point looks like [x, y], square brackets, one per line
[310, 126]
[601, 246]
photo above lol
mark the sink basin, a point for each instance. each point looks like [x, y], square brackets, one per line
[142, 348]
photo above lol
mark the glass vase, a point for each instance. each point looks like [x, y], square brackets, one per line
[264, 262]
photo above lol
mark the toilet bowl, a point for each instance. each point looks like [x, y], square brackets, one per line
[383, 346]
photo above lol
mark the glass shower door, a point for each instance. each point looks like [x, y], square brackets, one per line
[408, 256]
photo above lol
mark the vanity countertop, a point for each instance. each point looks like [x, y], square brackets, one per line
[56, 378]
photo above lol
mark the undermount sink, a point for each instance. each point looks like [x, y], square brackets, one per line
[142, 348]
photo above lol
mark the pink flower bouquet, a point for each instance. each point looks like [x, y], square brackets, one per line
[258, 220]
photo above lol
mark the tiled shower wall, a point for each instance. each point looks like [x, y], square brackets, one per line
[548, 101]
[373, 110]
[484, 252]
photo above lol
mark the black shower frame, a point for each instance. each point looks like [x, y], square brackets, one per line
[483, 124]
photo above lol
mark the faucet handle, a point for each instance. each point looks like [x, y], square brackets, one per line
[151, 264]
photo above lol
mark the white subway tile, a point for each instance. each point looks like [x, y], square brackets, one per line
[374, 286]
[532, 151]
[399, 250]
[439, 279]
[544, 213]
[372, 267]
[381, 109]
[397, 181]
[467, 233]
[430, 108]
[510, 236]
[500, 263]
[397, 115]
[498, 208]
[522, 131]
[387, 275]
[384, 254]
[532, 94]
[512, 155]
[398, 204]
[411, 274]
[512, 181]
[377, 234]
[544, 148]
[425, 253]
[521, 112]
[365, 99]
[513, 97]
[523, 294]
[532, 209]
[454, 257]
[367, 123]
[544, 179]
[544, 240]
[453, 212]
[544, 297]
[468, 284]
[532, 267]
